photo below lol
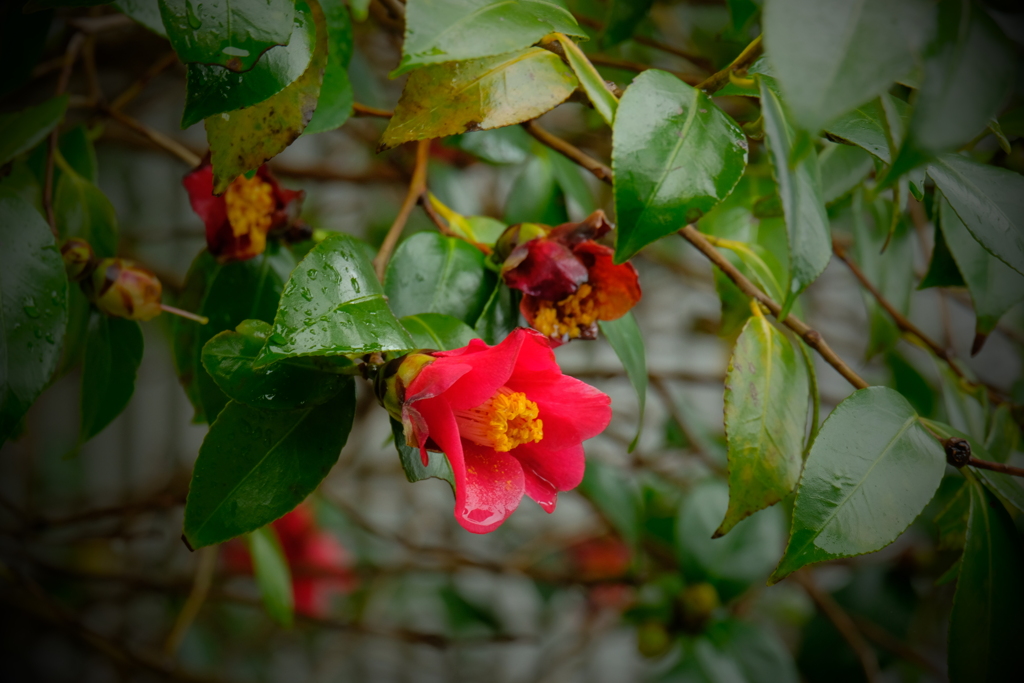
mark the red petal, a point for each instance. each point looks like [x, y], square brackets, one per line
[210, 208]
[572, 411]
[592, 227]
[434, 383]
[491, 366]
[545, 269]
[561, 469]
[541, 491]
[616, 286]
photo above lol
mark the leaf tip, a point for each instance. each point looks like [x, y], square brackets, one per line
[184, 539]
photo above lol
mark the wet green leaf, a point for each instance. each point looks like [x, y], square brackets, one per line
[830, 57]
[478, 94]
[231, 33]
[229, 356]
[22, 130]
[984, 624]
[500, 315]
[335, 103]
[866, 127]
[591, 82]
[33, 308]
[810, 244]
[430, 273]
[227, 294]
[628, 343]
[113, 352]
[766, 398]
[412, 461]
[989, 201]
[212, 89]
[82, 210]
[145, 12]
[871, 471]
[437, 331]
[243, 139]
[256, 465]
[455, 30]
[675, 156]
[333, 305]
[273, 576]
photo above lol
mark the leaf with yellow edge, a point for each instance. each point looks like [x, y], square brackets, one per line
[478, 94]
[243, 139]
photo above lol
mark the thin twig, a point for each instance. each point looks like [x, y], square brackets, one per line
[132, 91]
[612, 63]
[157, 138]
[205, 570]
[996, 467]
[556, 143]
[363, 110]
[717, 81]
[669, 402]
[843, 623]
[416, 188]
[702, 62]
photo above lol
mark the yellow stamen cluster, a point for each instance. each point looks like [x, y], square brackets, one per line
[504, 421]
[565, 319]
[250, 206]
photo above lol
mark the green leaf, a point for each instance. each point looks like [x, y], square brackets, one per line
[243, 139]
[951, 522]
[113, 352]
[989, 201]
[256, 465]
[591, 82]
[733, 562]
[842, 168]
[478, 94]
[229, 356]
[942, 269]
[227, 294]
[968, 77]
[675, 156]
[616, 498]
[22, 130]
[628, 343]
[871, 471]
[621, 18]
[333, 305]
[802, 202]
[1003, 435]
[866, 127]
[33, 308]
[360, 9]
[995, 287]
[273, 576]
[984, 624]
[212, 89]
[455, 30]
[335, 103]
[761, 656]
[536, 195]
[82, 210]
[430, 273]
[570, 180]
[145, 12]
[500, 315]
[412, 462]
[909, 381]
[231, 33]
[766, 398]
[832, 57]
[437, 331]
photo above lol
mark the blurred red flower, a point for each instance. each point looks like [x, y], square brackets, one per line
[507, 418]
[238, 221]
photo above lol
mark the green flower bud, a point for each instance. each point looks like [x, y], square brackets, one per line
[124, 289]
[78, 257]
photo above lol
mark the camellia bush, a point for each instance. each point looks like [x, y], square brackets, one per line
[473, 260]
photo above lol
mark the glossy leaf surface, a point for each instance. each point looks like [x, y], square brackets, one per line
[871, 471]
[591, 82]
[333, 305]
[113, 352]
[256, 465]
[231, 33]
[145, 12]
[273, 576]
[628, 342]
[437, 331]
[412, 462]
[766, 398]
[335, 103]
[243, 139]
[675, 155]
[866, 127]
[212, 89]
[22, 130]
[431, 273]
[500, 315]
[478, 94]
[33, 308]
[454, 30]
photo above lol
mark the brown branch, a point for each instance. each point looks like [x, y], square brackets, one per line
[717, 81]
[157, 138]
[416, 188]
[702, 62]
[996, 467]
[132, 91]
[843, 623]
[434, 216]
[70, 55]
[556, 143]
[363, 110]
[670, 407]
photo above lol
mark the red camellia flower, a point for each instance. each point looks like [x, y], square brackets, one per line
[238, 221]
[568, 280]
[507, 418]
[319, 564]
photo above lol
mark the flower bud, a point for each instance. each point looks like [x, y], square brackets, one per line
[514, 235]
[78, 258]
[698, 602]
[393, 379]
[653, 639]
[124, 289]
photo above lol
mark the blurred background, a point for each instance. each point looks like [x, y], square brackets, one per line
[388, 587]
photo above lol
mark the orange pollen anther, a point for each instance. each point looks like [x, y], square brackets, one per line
[250, 205]
[566, 318]
[502, 422]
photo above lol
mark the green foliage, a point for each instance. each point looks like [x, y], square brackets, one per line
[500, 315]
[22, 130]
[335, 103]
[626, 339]
[617, 499]
[437, 331]
[621, 18]
[33, 309]
[272, 574]
[437, 466]
[113, 352]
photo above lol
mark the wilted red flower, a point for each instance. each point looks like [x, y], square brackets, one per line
[507, 418]
[124, 289]
[319, 564]
[237, 222]
[568, 280]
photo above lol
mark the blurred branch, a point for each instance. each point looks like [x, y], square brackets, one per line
[702, 62]
[673, 410]
[416, 189]
[205, 569]
[717, 81]
[132, 91]
[887, 641]
[996, 467]
[70, 55]
[556, 143]
[612, 63]
[157, 138]
[363, 110]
